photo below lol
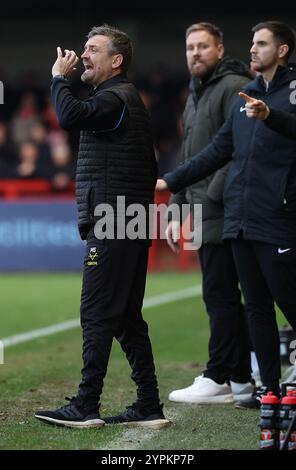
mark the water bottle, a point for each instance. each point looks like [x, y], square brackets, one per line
[287, 421]
[269, 434]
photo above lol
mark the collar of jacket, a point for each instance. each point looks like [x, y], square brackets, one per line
[283, 74]
[120, 78]
[225, 66]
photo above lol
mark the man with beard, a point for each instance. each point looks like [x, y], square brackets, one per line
[215, 82]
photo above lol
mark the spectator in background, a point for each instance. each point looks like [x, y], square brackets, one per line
[27, 166]
[63, 169]
[39, 136]
[215, 82]
[49, 116]
[25, 117]
[38, 133]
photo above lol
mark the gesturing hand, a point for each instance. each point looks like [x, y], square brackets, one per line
[64, 65]
[172, 234]
[255, 108]
[161, 185]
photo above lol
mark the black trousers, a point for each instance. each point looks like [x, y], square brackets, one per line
[113, 288]
[229, 349]
[267, 275]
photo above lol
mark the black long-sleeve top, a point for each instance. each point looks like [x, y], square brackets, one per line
[101, 112]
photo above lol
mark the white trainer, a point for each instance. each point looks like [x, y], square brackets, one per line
[241, 391]
[203, 391]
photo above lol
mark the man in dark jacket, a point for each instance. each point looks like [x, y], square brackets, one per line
[215, 82]
[116, 159]
[259, 198]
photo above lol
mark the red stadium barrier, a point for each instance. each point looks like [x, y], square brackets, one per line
[17, 189]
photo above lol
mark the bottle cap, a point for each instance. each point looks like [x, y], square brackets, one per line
[270, 399]
[290, 398]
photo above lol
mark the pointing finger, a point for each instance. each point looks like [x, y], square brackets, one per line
[246, 97]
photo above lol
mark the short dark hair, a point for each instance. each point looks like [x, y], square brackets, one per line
[120, 43]
[282, 33]
[209, 27]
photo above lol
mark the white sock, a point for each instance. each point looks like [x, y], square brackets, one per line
[255, 369]
[254, 363]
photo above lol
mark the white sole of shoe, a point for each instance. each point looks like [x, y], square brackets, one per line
[154, 424]
[240, 407]
[206, 400]
[91, 423]
[241, 397]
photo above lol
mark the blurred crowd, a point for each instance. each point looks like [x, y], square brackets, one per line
[33, 146]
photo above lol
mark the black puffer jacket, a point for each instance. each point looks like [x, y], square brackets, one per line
[116, 162]
[207, 108]
[260, 189]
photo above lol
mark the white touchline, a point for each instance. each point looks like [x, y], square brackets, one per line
[70, 324]
[127, 440]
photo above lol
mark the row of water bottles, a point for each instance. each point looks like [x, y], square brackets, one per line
[278, 420]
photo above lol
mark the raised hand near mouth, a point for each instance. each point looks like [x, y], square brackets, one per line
[64, 64]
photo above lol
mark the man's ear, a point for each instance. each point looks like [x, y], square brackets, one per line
[117, 61]
[221, 50]
[283, 49]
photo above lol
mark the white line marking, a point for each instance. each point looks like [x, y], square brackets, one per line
[130, 438]
[70, 324]
[1, 352]
[133, 438]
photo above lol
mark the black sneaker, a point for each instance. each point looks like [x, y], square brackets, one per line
[135, 416]
[71, 416]
[255, 400]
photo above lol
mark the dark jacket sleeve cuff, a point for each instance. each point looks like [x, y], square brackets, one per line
[59, 77]
[172, 182]
[272, 118]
